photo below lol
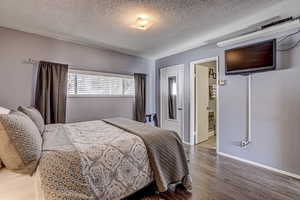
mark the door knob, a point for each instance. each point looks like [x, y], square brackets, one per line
[179, 108]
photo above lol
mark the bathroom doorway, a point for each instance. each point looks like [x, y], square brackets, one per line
[204, 103]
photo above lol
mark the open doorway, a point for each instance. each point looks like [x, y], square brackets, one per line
[204, 103]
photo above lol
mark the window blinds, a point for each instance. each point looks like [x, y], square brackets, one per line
[99, 84]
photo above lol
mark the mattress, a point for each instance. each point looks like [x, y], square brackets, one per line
[91, 160]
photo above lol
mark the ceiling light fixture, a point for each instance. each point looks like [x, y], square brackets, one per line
[142, 22]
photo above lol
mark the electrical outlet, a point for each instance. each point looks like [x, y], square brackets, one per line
[245, 143]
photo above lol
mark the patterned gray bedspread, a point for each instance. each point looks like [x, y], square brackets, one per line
[92, 160]
[165, 151]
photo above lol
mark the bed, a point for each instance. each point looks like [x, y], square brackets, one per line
[105, 160]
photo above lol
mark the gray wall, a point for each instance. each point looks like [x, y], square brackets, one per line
[275, 111]
[17, 78]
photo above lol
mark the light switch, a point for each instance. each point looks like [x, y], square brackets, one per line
[222, 82]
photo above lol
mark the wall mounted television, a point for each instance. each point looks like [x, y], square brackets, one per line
[252, 58]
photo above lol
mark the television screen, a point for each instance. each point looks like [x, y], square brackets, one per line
[253, 58]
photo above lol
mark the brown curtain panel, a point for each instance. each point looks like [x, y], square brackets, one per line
[140, 97]
[51, 91]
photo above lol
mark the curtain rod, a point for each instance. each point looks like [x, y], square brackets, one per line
[74, 67]
[34, 61]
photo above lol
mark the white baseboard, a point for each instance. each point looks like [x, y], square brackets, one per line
[260, 165]
[184, 142]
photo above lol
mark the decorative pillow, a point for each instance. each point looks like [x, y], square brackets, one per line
[20, 143]
[35, 116]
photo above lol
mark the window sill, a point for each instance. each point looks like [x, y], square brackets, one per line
[98, 96]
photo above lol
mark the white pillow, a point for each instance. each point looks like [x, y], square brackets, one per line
[4, 111]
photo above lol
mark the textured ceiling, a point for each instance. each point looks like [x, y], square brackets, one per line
[107, 22]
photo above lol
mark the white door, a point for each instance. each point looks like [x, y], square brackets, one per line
[171, 98]
[202, 103]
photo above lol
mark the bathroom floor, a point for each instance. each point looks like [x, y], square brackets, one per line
[211, 143]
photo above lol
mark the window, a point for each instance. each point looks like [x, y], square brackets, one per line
[83, 83]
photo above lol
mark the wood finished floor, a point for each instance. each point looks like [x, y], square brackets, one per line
[214, 178]
[221, 178]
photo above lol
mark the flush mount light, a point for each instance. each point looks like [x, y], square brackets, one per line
[142, 22]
